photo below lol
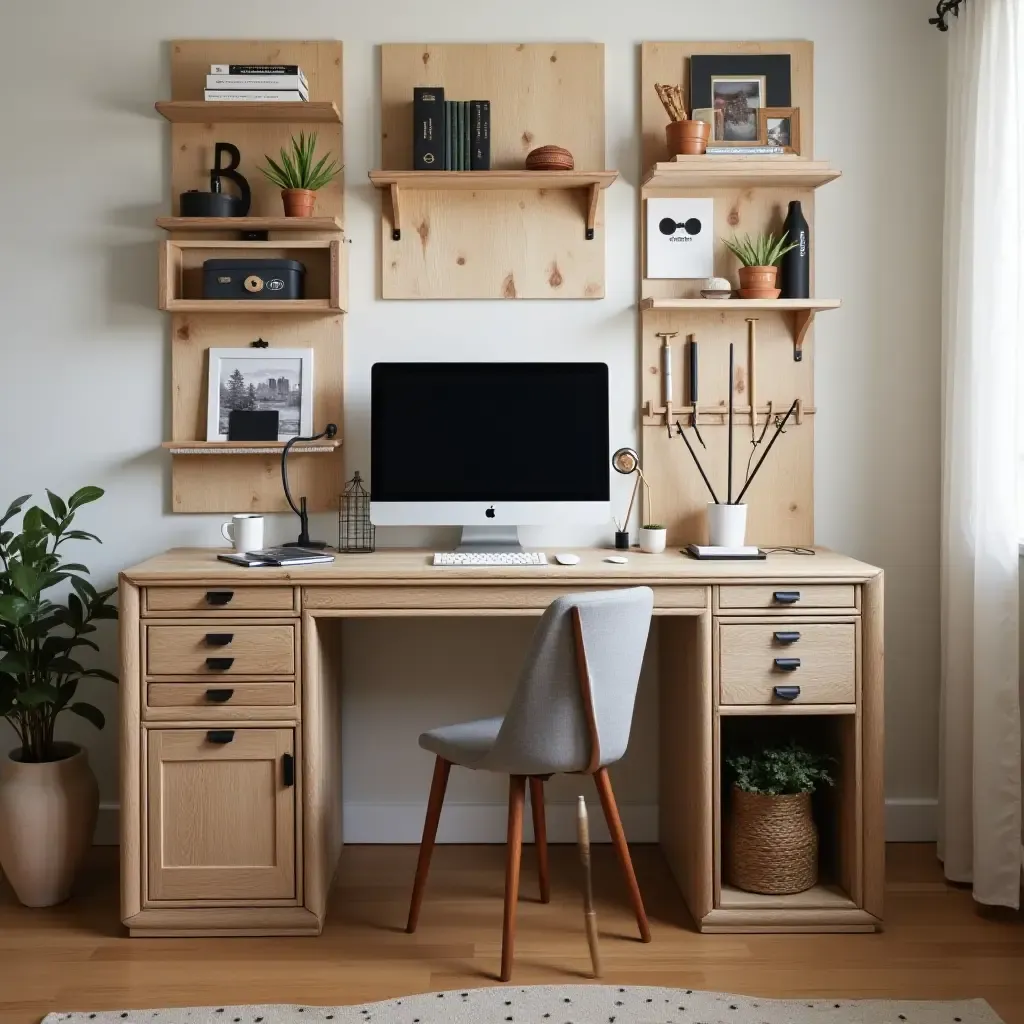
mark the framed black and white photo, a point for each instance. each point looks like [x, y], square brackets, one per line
[739, 85]
[263, 380]
[680, 238]
[780, 126]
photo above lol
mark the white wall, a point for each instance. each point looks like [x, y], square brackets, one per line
[85, 353]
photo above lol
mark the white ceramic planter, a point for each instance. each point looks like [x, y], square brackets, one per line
[653, 541]
[47, 817]
[727, 525]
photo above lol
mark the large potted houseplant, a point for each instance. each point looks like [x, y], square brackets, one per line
[298, 177]
[48, 794]
[772, 842]
[759, 258]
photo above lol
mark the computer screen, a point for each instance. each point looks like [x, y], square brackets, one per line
[489, 432]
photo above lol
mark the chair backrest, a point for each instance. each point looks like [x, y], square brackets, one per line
[547, 727]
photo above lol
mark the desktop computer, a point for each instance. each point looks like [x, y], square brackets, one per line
[489, 447]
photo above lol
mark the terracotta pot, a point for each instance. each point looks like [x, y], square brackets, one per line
[772, 843]
[759, 283]
[47, 817]
[689, 138]
[298, 202]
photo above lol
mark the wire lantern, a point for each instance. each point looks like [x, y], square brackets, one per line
[356, 534]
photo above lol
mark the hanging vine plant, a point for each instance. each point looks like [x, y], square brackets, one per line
[943, 9]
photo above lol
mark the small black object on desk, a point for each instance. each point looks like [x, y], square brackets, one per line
[300, 510]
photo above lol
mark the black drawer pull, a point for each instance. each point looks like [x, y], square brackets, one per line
[219, 597]
[288, 769]
[786, 638]
[219, 664]
[219, 639]
[786, 596]
[787, 692]
[219, 696]
[787, 664]
[220, 735]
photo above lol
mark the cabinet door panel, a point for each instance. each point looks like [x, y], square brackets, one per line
[221, 815]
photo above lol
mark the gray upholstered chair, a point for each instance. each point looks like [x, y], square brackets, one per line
[571, 712]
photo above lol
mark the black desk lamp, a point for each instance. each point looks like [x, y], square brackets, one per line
[300, 511]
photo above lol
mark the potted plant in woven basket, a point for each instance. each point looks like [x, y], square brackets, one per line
[773, 841]
[298, 177]
[48, 793]
[760, 259]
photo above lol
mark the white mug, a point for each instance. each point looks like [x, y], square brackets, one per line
[244, 532]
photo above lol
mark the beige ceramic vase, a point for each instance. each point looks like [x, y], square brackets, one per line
[47, 817]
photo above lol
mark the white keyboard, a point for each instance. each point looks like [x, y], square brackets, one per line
[490, 558]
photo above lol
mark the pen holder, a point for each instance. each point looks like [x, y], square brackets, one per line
[622, 540]
[727, 525]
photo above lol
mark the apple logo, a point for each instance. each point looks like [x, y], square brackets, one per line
[490, 513]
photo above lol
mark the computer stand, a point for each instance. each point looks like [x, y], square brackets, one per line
[490, 538]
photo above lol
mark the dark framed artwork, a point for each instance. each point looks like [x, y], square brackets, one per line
[774, 69]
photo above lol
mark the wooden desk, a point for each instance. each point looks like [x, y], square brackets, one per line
[230, 749]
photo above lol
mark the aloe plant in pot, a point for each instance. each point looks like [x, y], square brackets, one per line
[759, 258]
[48, 794]
[298, 177]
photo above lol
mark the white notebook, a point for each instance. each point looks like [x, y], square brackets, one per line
[707, 551]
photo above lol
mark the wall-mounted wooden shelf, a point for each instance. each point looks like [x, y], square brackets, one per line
[218, 224]
[460, 181]
[247, 476]
[743, 172]
[216, 112]
[505, 233]
[249, 447]
[746, 305]
[181, 271]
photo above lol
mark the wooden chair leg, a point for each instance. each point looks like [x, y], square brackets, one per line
[437, 787]
[516, 799]
[540, 837]
[611, 816]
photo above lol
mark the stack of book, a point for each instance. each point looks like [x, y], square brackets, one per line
[452, 135]
[256, 83]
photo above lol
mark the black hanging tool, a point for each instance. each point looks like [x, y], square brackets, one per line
[693, 387]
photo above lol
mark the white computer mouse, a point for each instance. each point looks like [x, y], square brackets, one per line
[617, 559]
[567, 559]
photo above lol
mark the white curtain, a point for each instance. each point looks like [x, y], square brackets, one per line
[982, 337]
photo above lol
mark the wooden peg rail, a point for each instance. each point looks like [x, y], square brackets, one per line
[717, 415]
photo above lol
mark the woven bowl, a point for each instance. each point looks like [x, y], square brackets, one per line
[773, 843]
[549, 158]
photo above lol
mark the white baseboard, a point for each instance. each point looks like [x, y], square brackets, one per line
[911, 820]
[487, 823]
[907, 820]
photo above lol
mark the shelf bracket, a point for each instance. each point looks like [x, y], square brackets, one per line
[804, 318]
[593, 197]
[396, 218]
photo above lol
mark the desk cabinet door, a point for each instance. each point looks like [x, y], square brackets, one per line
[221, 814]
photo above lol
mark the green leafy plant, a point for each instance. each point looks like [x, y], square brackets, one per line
[779, 770]
[653, 526]
[297, 170]
[39, 637]
[762, 251]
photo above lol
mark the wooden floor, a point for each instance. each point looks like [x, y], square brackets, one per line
[76, 957]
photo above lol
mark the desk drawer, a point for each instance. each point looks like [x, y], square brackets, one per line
[220, 600]
[221, 649]
[479, 599]
[788, 597]
[211, 697]
[815, 663]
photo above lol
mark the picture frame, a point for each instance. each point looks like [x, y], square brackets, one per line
[712, 117]
[775, 69]
[737, 99]
[680, 238]
[260, 379]
[780, 126]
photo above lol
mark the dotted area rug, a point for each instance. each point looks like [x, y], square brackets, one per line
[566, 1004]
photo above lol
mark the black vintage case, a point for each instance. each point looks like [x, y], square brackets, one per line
[253, 279]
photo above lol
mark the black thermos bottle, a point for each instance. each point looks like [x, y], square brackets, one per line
[796, 264]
